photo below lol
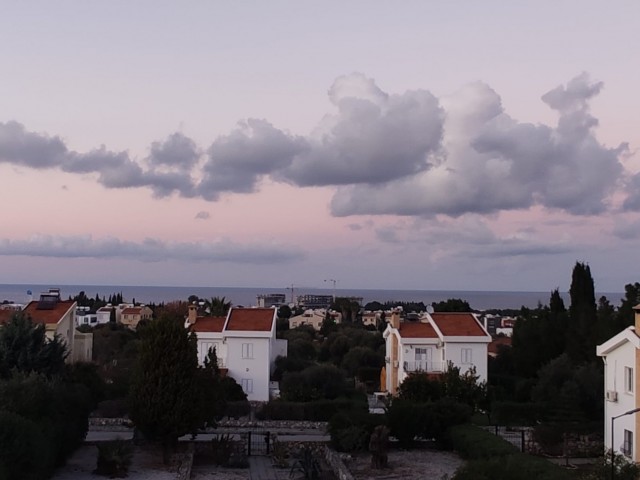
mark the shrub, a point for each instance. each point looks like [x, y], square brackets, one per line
[306, 463]
[221, 449]
[472, 442]
[350, 430]
[516, 413]
[24, 451]
[114, 458]
[519, 465]
[318, 411]
[405, 421]
[237, 409]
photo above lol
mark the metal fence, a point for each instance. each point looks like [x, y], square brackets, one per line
[515, 436]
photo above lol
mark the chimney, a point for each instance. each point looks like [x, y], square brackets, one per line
[395, 319]
[636, 309]
[193, 314]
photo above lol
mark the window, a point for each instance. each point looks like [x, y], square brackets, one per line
[466, 356]
[247, 350]
[627, 447]
[628, 379]
[247, 384]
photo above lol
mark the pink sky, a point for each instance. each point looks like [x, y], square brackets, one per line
[384, 146]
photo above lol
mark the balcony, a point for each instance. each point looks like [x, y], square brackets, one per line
[424, 366]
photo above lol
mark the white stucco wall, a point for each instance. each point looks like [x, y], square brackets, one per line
[453, 353]
[210, 340]
[255, 368]
[616, 361]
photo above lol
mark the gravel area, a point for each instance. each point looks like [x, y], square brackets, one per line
[146, 465]
[407, 464]
[208, 472]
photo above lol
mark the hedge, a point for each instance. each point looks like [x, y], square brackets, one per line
[25, 453]
[318, 411]
[519, 466]
[493, 458]
[472, 443]
[517, 413]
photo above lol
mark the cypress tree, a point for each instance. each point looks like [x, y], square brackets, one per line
[581, 333]
[166, 394]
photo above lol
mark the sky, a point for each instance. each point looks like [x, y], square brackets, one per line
[414, 145]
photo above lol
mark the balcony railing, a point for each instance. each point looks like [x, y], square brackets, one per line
[424, 366]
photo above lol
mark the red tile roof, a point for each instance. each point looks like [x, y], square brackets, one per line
[132, 311]
[250, 319]
[497, 342]
[458, 325]
[417, 330]
[52, 316]
[208, 324]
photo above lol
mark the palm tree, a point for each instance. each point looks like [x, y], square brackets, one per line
[217, 306]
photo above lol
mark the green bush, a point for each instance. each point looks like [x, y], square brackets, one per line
[472, 443]
[350, 430]
[24, 451]
[114, 459]
[516, 413]
[511, 467]
[407, 420]
[221, 449]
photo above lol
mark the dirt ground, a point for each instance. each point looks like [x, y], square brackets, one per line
[407, 464]
[146, 465]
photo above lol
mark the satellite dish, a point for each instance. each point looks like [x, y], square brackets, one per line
[430, 309]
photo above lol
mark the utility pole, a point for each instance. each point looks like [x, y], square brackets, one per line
[334, 287]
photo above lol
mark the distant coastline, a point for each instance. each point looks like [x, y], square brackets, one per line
[479, 300]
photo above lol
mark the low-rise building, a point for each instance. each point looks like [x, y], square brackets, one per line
[621, 356]
[245, 343]
[430, 344]
[131, 316]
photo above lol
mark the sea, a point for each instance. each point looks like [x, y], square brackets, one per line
[247, 296]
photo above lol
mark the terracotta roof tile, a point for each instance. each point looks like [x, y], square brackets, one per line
[458, 325]
[52, 316]
[208, 324]
[132, 310]
[417, 330]
[5, 315]
[250, 319]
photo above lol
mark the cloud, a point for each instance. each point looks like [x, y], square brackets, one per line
[627, 230]
[21, 147]
[405, 153]
[492, 162]
[176, 151]
[202, 215]
[237, 161]
[374, 137]
[150, 250]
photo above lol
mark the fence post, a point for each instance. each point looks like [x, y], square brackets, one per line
[249, 444]
[266, 438]
[522, 449]
[496, 430]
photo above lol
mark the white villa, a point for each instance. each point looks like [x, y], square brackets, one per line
[621, 356]
[245, 343]
[430, 343]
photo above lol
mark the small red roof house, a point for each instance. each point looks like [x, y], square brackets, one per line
[430, 344]
[58, 318]
[245, 344]
[131, 316]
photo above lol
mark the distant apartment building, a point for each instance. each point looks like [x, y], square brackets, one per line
[269, 300]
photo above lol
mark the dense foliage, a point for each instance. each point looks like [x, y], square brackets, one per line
[44, 403]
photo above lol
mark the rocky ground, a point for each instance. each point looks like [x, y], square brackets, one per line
[407, 464]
